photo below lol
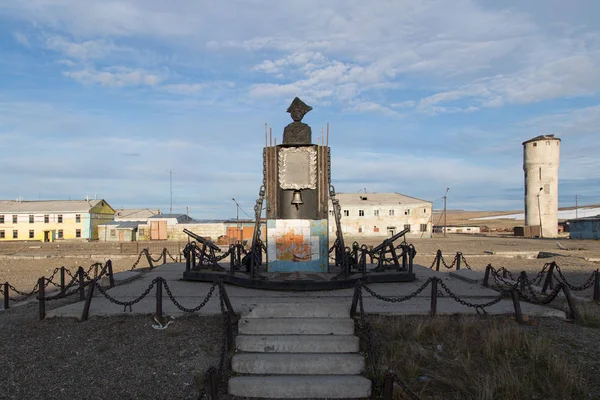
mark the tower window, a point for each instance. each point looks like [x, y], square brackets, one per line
[540, 172]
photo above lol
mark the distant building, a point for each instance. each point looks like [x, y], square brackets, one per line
[584, 228]
[457, 229]
[381, 214]
[52, 220]
[134, 214]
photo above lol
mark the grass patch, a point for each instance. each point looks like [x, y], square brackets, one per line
[589, 314]
[461, 357]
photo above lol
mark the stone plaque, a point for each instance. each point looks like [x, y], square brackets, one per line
[298, 168]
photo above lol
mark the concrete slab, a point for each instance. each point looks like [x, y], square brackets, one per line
[297, 343]
[514, 254]
[244, 300]
[295, 387]
[297, 364]
[296, 326]
[299, 310]
[469, 276]
[121, 277]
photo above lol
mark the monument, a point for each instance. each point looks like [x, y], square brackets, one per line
[292, 251]
[297, 184]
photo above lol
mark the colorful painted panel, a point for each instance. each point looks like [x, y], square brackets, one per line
[297, 245]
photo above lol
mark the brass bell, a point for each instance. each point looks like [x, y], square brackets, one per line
[297, 199]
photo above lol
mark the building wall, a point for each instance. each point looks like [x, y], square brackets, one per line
[458, 229]
[585, 229]
[175, 231]
[370, 224]
[541, 160]
[100, 214]
[109, 233]
[69, 226]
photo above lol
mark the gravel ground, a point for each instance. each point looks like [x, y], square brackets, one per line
[104, 358]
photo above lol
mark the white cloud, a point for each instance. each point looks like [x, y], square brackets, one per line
[21, 39]
[115, 76]
[91, 49]
[184, 88]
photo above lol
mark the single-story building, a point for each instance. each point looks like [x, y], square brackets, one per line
[585, 228]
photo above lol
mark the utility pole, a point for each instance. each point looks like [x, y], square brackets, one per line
[540, 212]
[576, 206]
[171, 191]
[445, 196]
[237, 218]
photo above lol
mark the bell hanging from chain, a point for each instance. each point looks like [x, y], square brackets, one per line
[297, 199]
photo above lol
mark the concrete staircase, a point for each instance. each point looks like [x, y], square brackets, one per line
[298, 351]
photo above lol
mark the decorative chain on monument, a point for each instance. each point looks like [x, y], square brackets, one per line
[397, 299]
[561, 279]
[535, 299]
[185, 309]
[155, 260]
[24, 294]
[126, 304]
[135, 264]
[225, 313]
[480, 308]
[170, 256]
[448, 266]
[50, 280]
[464, 260]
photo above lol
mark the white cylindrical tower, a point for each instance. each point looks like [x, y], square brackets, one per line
[541, 159]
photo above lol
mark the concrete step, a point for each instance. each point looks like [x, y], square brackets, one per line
[297, 343]
[297, 364]
[299, 310]
[296, 326]
[295, 387]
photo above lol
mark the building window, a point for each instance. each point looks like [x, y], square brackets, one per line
[60, 233]
[2, 235]
[423, 227]
[14, 219]
[346, 213]
[360, 229]
[391, 213]
[141, 232]
[78, 218]
[361, 213]
[376, 229]
[1, 219]
[31, 234]
[407, 212]
[77, 233]
[30, 219]
[15, 234]
[60, 218]
[376, 213]
[46, 219]
[424, 211]
[540, 172]
[407, 226]
[113, 232]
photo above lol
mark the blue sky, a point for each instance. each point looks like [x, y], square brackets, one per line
[103, 98]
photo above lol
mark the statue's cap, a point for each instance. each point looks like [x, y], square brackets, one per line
[297, 103]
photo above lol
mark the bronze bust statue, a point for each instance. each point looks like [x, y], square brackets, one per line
[297, 132]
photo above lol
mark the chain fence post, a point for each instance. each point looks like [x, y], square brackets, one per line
[388, 386]
[486, 277]
[42, 297]
[81, 279]
[458, 258]
[193, 256]
[212, 383]
[111, 277]
[504, 273]
[434, 290]
[149, 258]
[549, 281]
[159, 311]
[357, 290]
[6, 296]
[571, 302]
[517, 305]
[188, 261]
[438, 259]
[597, 286]
[522, 279]
[164, 255]
[62, 279]
[411, 257]
[88, 302]
[226, 298]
